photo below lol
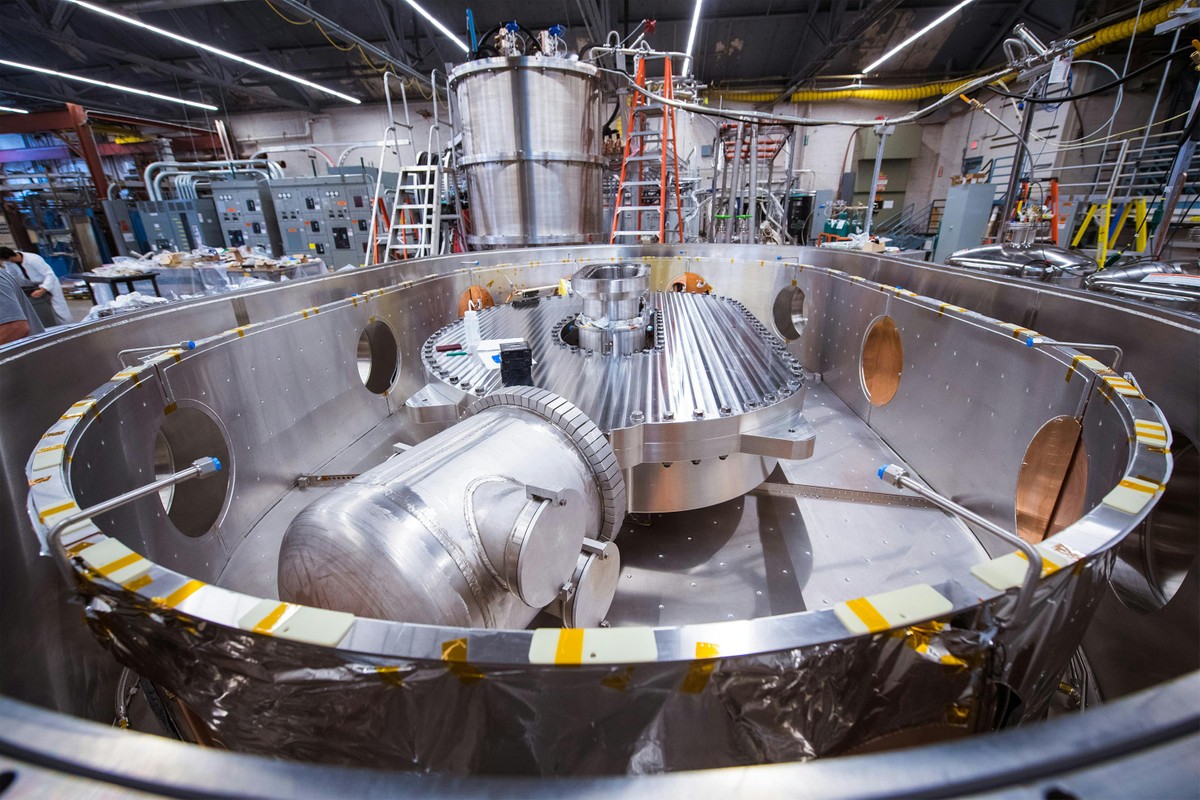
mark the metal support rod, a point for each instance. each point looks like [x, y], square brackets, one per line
[1178, 176]
[1019, 156]
[154, 348]
[752, 234]
[200, 468]
[899, 477]
[734, 189]
[883, 131]
[1037, 341]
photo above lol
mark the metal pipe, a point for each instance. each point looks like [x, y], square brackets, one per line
[899, 477]
[178, 166]
[883, 131]
[1178, 176]
[200, 468]
[154, 348]
[734, 188]
[333, 27]
[1037, 341]
[752, 234]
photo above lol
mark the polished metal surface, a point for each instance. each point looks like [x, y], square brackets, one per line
[959, 365]
[459, 529]
[1025, 260]
[698, 418]
[611, 321]
[531, 132]
[1051, 310]
[1156, 282]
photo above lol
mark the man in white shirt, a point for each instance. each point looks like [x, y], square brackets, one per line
[33, 267]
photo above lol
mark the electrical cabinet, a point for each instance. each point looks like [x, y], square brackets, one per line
[965, 220]
[181, 225]
[247, 211]
[125, 224]
[327, 217]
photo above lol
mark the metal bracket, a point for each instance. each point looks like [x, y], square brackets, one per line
[556, 496]
[789, 440]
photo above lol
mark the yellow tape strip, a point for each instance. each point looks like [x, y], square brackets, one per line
[138, 583]
[1048, 566]
[120, 563]
[179, 595]
[50, 512]
[1138, 486]
[866, 612]
[570, 646]
[700, 671]
[455, 650]
[268, 623]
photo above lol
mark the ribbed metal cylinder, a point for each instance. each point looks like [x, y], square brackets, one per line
[532, 135]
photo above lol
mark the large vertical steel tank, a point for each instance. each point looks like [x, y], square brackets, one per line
[531, 129]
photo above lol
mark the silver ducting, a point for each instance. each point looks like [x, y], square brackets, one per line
[481, 526]
[531, 133]
[1037, 261]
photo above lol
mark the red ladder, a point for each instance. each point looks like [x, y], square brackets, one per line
[645, 148]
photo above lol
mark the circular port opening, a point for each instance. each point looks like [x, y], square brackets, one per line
[1053, 480]
[1158, 556]
[378, 357]
[882, 361]
[788, 312]
[475, 298]
[189, 433]
[690, 283]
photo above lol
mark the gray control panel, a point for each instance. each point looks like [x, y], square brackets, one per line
[181, 225]
[327, 217]
[246, 208]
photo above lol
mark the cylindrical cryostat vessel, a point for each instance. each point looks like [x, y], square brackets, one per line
[480, 526]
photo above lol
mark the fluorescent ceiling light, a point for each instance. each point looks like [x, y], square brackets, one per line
[438, 25]
[215, 50]
[107, 85]
[692, 34]
[917, 35]
[13, 110]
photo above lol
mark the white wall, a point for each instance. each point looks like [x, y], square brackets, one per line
[278, 133]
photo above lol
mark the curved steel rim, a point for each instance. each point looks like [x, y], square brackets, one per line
[1101, 528]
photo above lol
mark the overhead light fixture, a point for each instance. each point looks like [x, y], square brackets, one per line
[917, 35]
[119, 87]
[214, 50]
[13, 110]
[449, 35]
[692, 35]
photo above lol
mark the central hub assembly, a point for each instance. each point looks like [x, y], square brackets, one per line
[696, 397]
[612, 320]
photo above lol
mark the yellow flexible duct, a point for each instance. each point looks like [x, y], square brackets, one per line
[1107, 35]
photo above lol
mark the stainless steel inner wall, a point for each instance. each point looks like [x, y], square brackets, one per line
[68, 672]
[301, 429]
